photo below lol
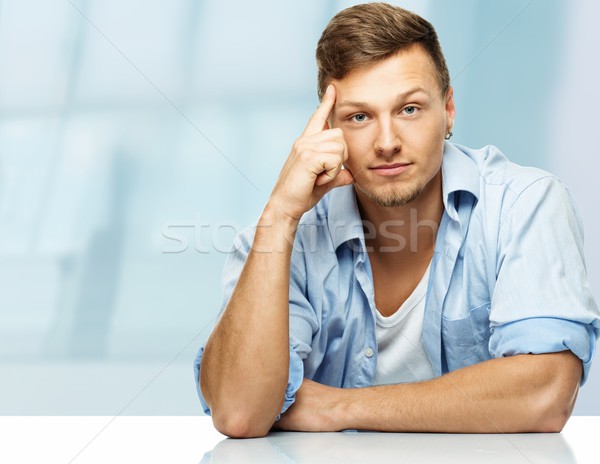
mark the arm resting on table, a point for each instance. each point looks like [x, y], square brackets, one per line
[517, 394]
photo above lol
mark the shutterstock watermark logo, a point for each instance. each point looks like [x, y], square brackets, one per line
[390, 236]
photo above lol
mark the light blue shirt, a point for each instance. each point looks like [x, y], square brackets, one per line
[507, 277]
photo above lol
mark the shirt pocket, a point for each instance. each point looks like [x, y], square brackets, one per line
[466, 339]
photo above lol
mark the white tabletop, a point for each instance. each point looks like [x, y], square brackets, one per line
[193, 440]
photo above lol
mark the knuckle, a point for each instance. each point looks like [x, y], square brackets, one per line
[305, 155]
[334, 161]
[298, 145]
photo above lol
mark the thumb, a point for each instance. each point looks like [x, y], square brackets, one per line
[344, 177]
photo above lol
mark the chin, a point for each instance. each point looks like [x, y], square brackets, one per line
[392, 197]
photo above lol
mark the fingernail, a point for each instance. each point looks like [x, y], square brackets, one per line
[329, 88]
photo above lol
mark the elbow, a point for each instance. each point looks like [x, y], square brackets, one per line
[239, 425]
[554, 425]
[235, 420]
[553, 422]
[558, 400]
[239, 414]
[555, 413]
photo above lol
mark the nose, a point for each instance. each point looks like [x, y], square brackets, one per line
[387, 142]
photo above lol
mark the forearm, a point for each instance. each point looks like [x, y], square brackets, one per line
[245, 364]
[505, 395]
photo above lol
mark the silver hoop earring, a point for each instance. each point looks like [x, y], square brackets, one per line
[448, 135]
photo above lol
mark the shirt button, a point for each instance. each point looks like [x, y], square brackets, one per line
[369, 352]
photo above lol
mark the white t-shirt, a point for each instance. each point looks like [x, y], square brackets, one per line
[401, 357]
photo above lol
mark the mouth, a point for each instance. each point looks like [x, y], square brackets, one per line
[390, 169]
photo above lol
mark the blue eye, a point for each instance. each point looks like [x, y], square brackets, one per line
[360, 117]
[410, 110]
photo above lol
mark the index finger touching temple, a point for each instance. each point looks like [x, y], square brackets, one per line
[319, 118]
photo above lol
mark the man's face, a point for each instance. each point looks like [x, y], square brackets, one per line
[394, 120]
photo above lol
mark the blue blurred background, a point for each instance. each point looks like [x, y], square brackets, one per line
[137, 137]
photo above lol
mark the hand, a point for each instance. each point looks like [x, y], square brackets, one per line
[314, 165]
[317, 409]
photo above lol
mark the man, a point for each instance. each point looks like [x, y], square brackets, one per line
[396, 281]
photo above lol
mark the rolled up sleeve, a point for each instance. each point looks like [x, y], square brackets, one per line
[197, 363]
[542, 302]
[302, 318]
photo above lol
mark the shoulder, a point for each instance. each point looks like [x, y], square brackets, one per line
[496, 170]
[506, 183]
[526, 199]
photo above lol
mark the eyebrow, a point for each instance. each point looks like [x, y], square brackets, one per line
[399, 98]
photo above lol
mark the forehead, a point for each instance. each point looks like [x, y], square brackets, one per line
[409, 68]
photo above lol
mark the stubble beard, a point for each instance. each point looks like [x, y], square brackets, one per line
[393, 196]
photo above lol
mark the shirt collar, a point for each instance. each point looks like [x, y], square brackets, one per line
[343, 217]
[459, 173]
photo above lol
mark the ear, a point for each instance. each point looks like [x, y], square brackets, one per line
[450, 108]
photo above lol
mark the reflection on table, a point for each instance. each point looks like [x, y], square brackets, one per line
[344, 447]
